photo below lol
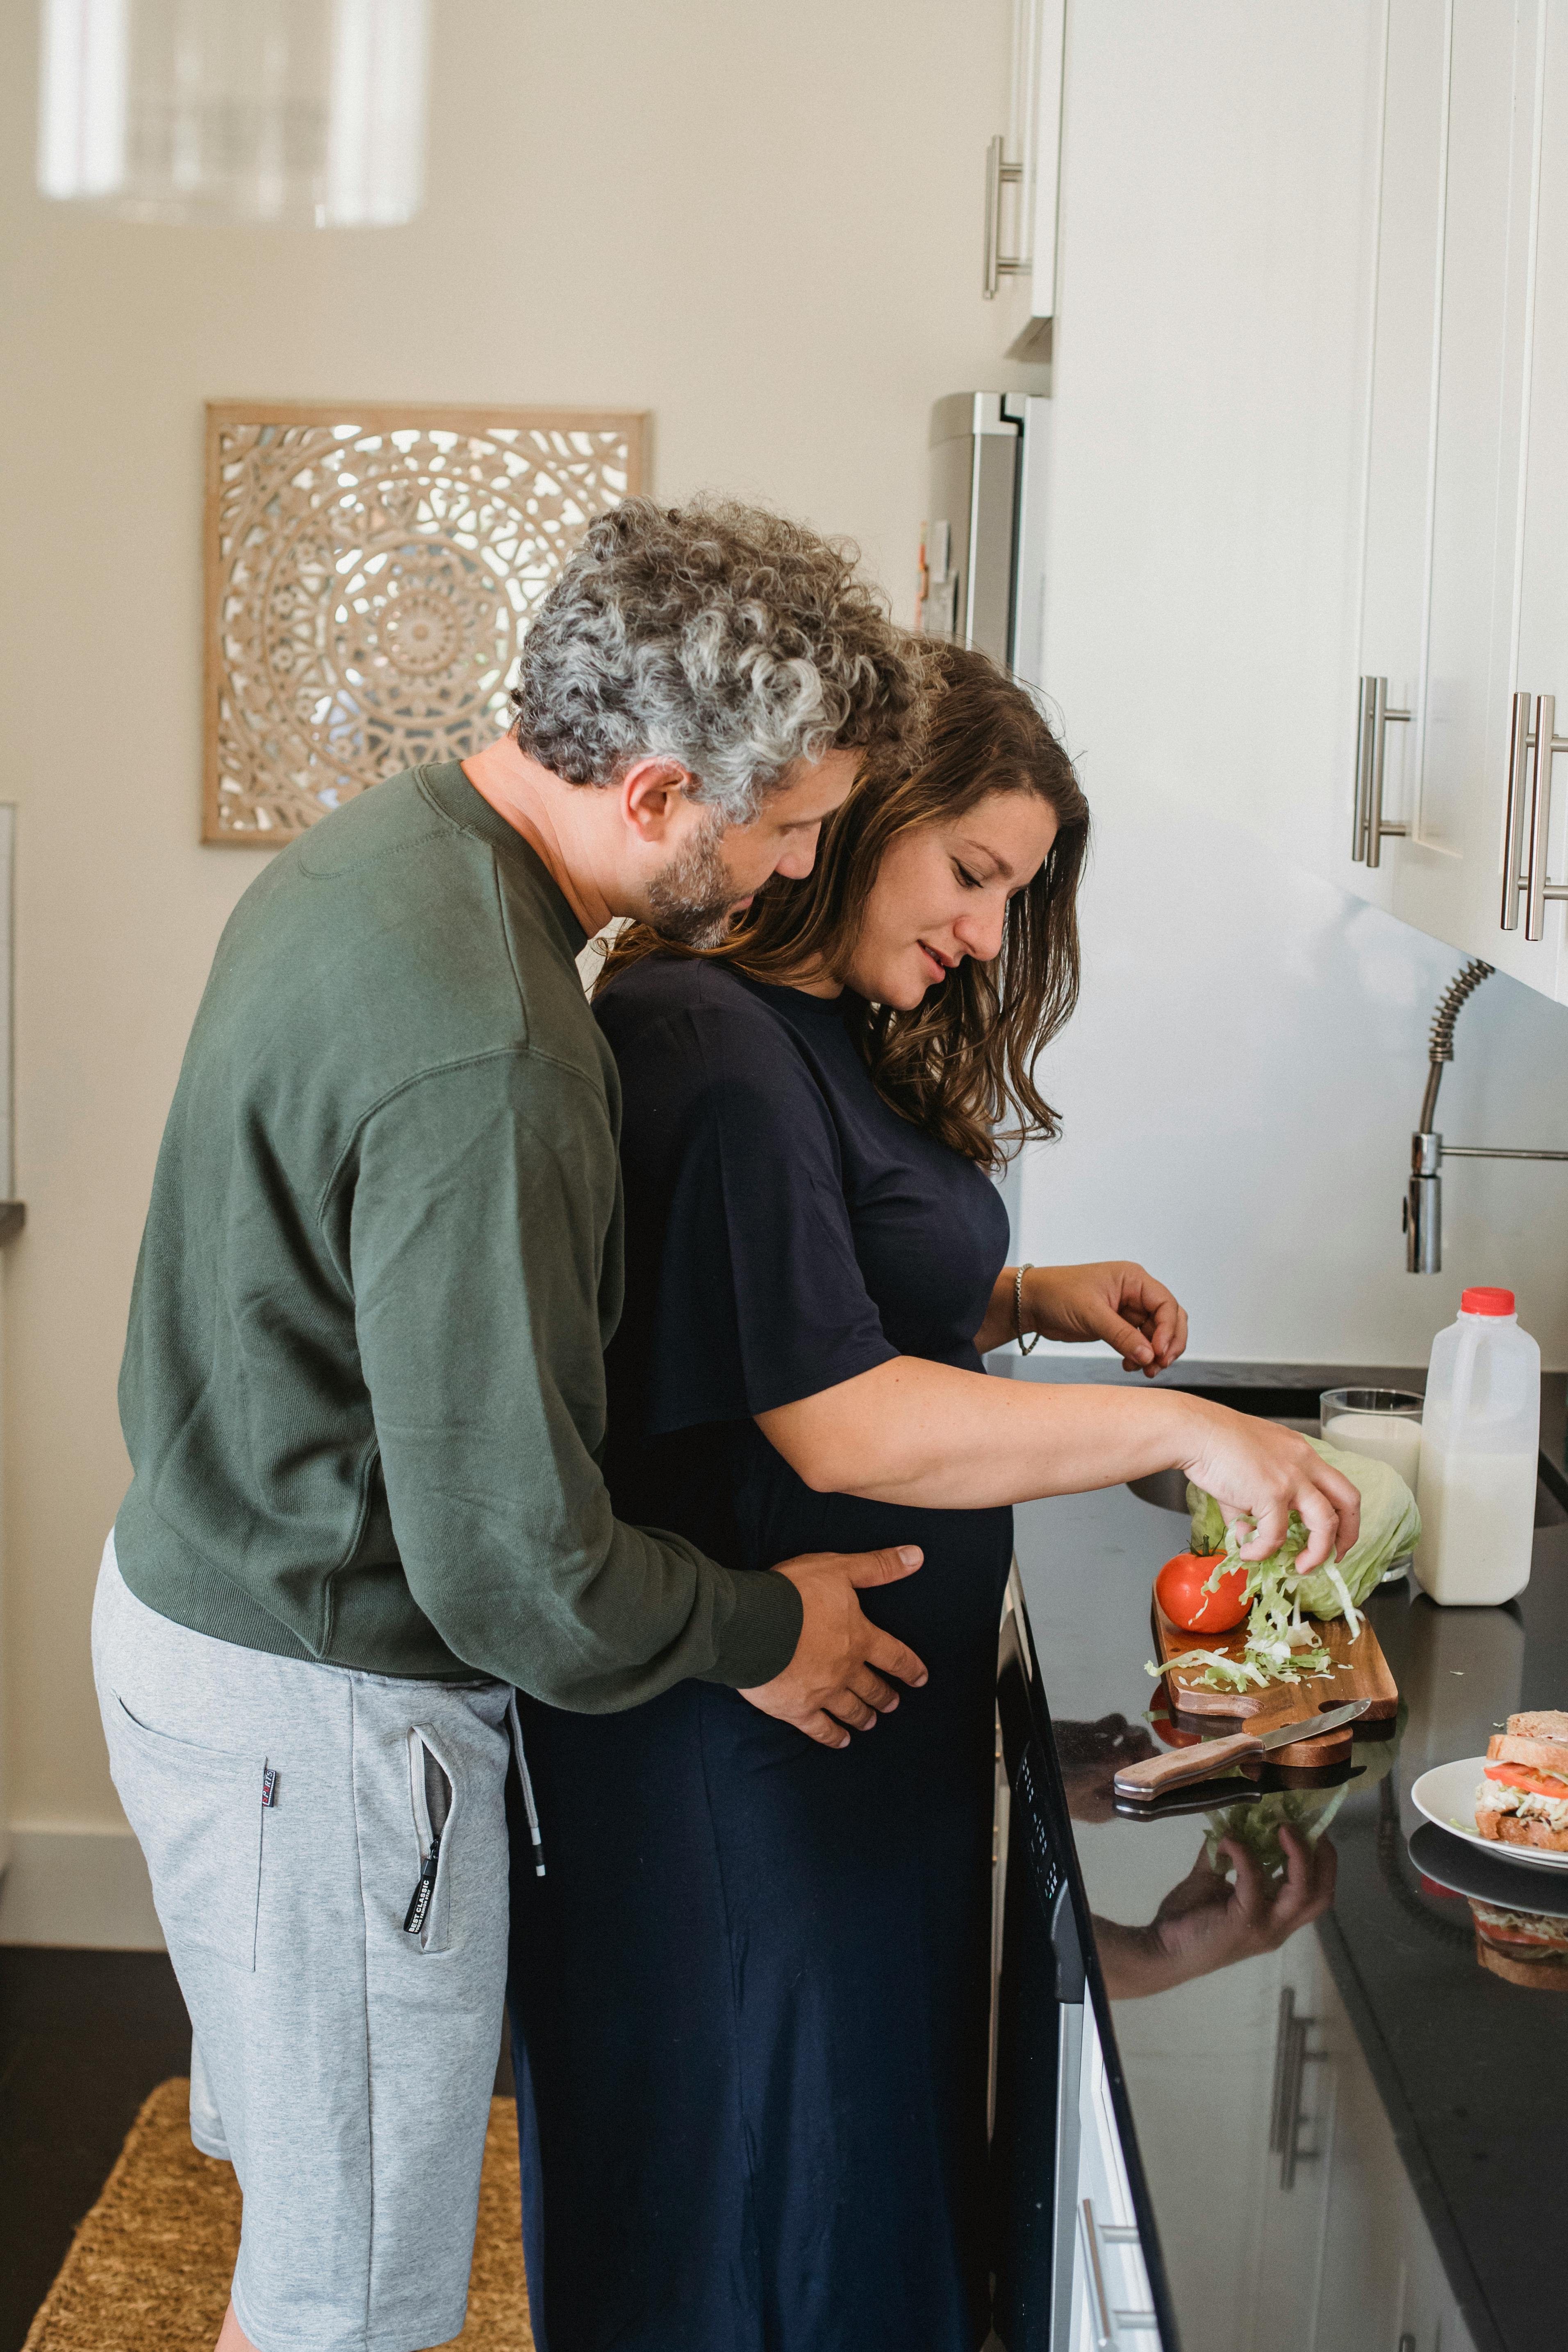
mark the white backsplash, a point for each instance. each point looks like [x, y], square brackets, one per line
[1238, 1089]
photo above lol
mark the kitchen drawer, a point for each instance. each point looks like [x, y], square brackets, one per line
[1112, 2304]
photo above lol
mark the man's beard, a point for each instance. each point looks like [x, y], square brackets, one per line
[690, 900]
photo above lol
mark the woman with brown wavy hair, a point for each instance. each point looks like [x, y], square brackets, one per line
[749, 1999]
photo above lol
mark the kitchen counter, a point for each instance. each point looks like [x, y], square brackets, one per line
[1357, 2140]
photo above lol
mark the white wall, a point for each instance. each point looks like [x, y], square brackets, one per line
[1239, 1086]
[761, 223]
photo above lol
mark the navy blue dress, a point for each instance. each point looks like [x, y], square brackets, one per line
[750, 2000]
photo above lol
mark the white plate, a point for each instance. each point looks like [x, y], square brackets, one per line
[1446, 1795]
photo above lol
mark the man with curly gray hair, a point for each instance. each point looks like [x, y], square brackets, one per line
[733, 652]
[363, 1392]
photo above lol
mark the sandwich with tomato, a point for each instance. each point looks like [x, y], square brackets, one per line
[1523, 1947]
[1523, 1799]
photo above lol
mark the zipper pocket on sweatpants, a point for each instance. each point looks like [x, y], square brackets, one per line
[430, 1825]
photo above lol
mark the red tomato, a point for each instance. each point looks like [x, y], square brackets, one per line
[1534, 1784]
[1179, 1590]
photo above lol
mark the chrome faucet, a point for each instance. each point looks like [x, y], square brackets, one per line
[1423, 1195]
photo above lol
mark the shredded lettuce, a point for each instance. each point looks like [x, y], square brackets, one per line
[1277, 1647]
[1223, 1672]
[1257, 1826]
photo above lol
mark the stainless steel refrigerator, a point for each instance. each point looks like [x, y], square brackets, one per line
[983, 562]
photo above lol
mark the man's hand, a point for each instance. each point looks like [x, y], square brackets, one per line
[1257, 1470]
[1118, 1302]
[836, 1677]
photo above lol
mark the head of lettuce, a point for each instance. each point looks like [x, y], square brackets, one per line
[1390, 1524]
[1279, 1645]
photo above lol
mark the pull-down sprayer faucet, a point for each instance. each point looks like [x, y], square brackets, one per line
[1423, 1195]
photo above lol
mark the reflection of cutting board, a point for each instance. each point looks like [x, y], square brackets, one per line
[1196, 1708]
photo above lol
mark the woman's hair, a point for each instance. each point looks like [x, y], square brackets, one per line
[719, 635]
[962, 1063]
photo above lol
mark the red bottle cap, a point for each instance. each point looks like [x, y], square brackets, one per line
[1486, 1301]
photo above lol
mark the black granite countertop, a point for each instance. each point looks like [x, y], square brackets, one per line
[1445, 2131]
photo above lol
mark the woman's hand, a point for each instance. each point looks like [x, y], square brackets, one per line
[1116, 1301]
[1257, 1470]
[1206, 1923]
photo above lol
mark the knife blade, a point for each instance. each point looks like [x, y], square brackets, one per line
[1155, 1774]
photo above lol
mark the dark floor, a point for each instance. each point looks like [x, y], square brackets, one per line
[84, 2037]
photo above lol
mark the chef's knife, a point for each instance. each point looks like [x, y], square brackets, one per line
[1155, 1774]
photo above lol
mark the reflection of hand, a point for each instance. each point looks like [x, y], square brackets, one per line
[1091, 1754]
[1117, 1302]
[1205, 1922]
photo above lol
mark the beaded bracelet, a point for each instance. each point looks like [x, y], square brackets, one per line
[1026, 1346]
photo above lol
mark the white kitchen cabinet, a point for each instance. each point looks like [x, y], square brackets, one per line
[1022, 166]
[1380, 2279]
[1464, 581]
[1112, 2304]
[1300, 2231]
[1540, 576]
[1310, 342]
[1209, 372]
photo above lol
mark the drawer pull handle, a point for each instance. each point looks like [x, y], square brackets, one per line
[1291, 2060]
[1109, 2322]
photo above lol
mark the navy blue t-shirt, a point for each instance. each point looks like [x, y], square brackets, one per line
[786, 1229]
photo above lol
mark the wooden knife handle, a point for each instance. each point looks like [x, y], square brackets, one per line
[1155, 1774]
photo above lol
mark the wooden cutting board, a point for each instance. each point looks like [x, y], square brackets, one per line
[1195, 1707]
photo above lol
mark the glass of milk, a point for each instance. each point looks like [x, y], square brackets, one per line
[1385, 1423]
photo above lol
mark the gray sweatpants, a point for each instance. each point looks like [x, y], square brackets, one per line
[328, 1852]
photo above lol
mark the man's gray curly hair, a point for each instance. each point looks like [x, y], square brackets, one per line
[718, 635]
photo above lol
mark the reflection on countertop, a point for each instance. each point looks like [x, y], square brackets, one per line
[1353, 2131]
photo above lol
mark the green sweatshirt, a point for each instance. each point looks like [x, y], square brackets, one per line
[363, 1387]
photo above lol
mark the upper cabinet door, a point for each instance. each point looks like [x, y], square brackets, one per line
[1463, 559]
[1022, 175]
[1538, 575]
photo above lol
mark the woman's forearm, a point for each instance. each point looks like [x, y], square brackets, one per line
[914, 1432]
[930, 1435]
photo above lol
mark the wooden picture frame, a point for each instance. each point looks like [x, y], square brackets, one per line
[370, 570]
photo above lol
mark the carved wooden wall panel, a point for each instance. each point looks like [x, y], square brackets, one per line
[370, 575]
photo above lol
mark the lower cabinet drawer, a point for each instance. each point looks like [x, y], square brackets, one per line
[1111, 2302]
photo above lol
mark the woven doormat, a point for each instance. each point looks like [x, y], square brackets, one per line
[149, 2269]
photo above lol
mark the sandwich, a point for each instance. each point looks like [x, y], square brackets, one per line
[1523, 1800]
[1523, 1947]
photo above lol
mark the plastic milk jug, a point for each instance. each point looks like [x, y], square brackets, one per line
[1480, 1434]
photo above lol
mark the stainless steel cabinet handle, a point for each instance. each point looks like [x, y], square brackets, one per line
[1368, 831]
[1107, 2321]
[1527, 832]
[1520, 744]
[999, 265]
[1363, 766]
[1291, 2060]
